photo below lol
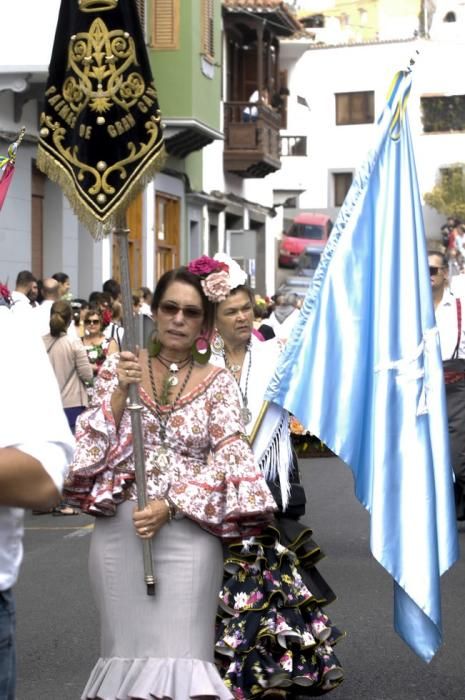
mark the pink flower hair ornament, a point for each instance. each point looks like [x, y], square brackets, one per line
[214, 276]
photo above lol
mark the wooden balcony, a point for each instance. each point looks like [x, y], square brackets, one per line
[251, 133]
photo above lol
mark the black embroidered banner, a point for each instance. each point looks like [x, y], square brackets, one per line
[100, 133]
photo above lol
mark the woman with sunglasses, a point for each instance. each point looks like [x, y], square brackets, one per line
[274, 640]
[97, 346]
[203, 486]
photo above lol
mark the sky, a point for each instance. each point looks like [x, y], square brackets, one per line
[28, 31]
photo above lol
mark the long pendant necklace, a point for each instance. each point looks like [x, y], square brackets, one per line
[173, 368]
[162, 456]
[246, 413]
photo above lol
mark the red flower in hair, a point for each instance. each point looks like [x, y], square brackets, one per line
[204, 266]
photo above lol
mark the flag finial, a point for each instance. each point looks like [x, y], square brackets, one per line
[412, 61]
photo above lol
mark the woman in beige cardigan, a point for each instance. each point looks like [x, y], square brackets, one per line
[69, 361]
[72, 368]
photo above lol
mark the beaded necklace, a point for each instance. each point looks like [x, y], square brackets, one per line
[246, 413]
[162, 456]
[173, 368]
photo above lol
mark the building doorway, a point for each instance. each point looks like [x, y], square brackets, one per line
[167, 233]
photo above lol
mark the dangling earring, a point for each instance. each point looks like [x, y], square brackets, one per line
[201, 350]
[217, 343]
[154, 345]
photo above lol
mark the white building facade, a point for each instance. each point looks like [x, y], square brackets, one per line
[349, 83]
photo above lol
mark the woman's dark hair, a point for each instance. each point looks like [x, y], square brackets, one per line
[93, 310]
[113, 288]
[246, 289]
[100, 298]
[182, 274]
[61, 277]
[40, 292]
[60, 318]
[78, 305]
[261, 311]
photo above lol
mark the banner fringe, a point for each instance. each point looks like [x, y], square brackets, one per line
[98, 228]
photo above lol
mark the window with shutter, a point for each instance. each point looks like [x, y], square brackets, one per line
[165, 24]
[208, 37]
[355, 107]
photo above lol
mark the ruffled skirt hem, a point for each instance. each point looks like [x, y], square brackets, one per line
[272, 632]
[155, 679]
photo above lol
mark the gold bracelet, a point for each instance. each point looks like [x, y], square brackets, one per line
[170, 509]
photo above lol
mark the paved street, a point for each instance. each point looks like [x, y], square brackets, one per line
[58, 632]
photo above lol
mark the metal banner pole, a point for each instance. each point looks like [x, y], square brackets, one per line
[134, 404]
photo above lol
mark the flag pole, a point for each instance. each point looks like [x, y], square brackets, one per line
[134, 405]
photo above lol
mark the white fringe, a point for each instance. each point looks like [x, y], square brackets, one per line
[276, 461]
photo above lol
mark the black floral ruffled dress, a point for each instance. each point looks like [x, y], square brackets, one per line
[272, 632]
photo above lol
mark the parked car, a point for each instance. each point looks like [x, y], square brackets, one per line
[307, 229]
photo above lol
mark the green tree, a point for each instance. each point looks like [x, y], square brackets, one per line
[448, 194]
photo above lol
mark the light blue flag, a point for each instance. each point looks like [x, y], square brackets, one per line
[362, 370]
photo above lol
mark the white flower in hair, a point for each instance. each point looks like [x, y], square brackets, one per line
[237, 276]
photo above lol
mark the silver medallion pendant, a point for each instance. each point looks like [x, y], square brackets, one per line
[246, 415]
[162, 458]
[173, 380]
[235, 368]
[217, 344]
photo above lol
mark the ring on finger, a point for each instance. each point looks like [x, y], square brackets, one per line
[145, 530]
[127, 373]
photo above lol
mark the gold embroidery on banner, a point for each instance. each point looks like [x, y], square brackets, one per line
[97, 5]
[99, 61]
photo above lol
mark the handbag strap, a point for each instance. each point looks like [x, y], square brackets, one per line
[51, 345]
[458, 306]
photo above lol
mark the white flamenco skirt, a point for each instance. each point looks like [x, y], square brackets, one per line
[158, 647]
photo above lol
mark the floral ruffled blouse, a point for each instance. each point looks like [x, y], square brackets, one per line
[208, 469]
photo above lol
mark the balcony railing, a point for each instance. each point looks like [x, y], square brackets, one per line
[251, 147]
[293, 145]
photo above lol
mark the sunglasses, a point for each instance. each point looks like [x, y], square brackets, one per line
[433, 270]
[91, 321]
[170, 309]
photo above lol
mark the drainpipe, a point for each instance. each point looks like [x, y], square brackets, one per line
[205, 228]
[107, 257]
[149, 238]
[222, 231]
[260, 58]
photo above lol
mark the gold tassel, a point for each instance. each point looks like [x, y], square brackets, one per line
[98, 227]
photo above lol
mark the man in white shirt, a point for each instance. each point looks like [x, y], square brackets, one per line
[51, 294]
[36, 446]
[450, 320]
[25, 292]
